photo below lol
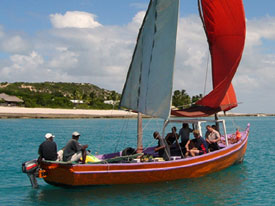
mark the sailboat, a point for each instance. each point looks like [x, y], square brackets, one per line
[148, 91]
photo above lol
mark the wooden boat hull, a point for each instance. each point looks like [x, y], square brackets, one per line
[132, 173]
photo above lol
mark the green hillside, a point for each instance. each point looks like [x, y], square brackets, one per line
[59, 94]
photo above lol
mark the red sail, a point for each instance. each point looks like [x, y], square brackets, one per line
[224, 22]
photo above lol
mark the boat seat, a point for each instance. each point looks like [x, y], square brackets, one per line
[175, 157]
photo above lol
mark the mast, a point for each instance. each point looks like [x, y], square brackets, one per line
[217, 123]
[139, 134]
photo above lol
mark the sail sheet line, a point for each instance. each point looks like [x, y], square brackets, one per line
[216, 96]
[206, 75]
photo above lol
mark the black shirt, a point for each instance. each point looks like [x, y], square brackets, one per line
[70, 149]
[171, 138]
[201, 144]
[48, 150]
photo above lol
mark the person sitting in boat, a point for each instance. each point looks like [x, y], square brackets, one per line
[212, 138]
[215, 128]
[172, 137]
[200, 145]
[163, 148]
[48, 149]
[234, 138]
[184, 134]
[73, 151]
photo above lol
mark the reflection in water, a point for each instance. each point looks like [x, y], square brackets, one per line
[215, 189]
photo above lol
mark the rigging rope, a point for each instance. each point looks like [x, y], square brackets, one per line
[206, 74]
[236, 126]
[104, 135]
[125, 124]
[146, 125]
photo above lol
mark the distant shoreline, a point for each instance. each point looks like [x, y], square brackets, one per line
[32, 113]
[22, 112]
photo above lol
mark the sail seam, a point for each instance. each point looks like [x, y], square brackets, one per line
[151, 57]
[133, 56]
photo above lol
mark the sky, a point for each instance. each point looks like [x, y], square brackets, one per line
[92, 41]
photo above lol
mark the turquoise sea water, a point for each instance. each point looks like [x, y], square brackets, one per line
[249, 183]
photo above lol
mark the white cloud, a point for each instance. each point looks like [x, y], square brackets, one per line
[13, 43]
[258, 30]
[263, 30]
[22, 66]
[192, 56]
[256, 62]
[63, 59]
[136, 21]
[31, 61]
[138, 18]
[139, 5]
[74, 19]
[1, 32]
[100, 55]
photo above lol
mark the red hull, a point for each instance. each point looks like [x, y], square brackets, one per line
[132, 173]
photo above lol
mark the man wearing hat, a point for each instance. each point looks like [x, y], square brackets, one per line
[73, 151]
[48, 149]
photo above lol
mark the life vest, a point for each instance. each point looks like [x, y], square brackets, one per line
[238, 135]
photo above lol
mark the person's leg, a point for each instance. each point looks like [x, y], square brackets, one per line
[83, 156]
[76, 157]
[216, 146]
[211, 147]
[186, 154]
[60, 155]
[194, 152]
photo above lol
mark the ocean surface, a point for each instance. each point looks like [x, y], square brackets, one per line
[249, 183]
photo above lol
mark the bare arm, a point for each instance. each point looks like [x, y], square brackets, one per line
[187, 145]
[159, 148]
[166, 137]
[84, 146]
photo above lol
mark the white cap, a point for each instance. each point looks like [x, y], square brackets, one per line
[49, 135]
[75, 134]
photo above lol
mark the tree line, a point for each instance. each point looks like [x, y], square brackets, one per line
[59, 95]
[88, 96]
[182, 100]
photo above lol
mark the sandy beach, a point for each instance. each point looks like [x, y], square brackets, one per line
[21, 112]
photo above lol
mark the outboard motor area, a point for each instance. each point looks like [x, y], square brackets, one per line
[31, 169]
